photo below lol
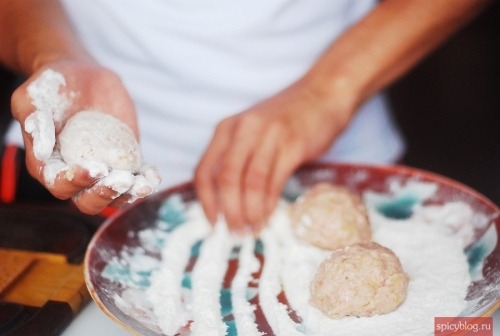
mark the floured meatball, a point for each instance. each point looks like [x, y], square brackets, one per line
[95, 136]
[365, 279]
[330, 217]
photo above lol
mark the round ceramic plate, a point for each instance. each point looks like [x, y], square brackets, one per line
[117, 284]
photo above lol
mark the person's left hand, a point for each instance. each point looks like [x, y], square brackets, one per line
[252, 154]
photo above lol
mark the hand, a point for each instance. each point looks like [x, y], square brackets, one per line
[252, 154]
[87, 85]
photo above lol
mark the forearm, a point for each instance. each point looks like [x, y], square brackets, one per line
[395, 36]
[34, 33]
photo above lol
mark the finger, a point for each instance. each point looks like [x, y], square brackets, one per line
[290, 155]
[94, 199]
[119, 181]
[145, 183]
[21, 104]
[151, 174]
[141, 188]
[40, 123]
[207, 167]
[61, 180]
[64, 181]
[256, 179]
[34, 166]
[121, 200]
[230, 176]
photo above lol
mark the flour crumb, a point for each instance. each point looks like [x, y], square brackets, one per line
[118, 180]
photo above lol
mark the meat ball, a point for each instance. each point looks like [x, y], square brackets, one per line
[330, 217]
[95, 136]
[364, 279]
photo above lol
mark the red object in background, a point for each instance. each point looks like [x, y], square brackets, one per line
[9, 174]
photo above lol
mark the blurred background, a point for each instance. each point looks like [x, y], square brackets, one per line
[448, 107]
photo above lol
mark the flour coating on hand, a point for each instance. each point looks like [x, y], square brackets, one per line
[94, 141]
[50, 107]
[95, 136]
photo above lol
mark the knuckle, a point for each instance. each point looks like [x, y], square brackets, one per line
[250, 120]
[255, 179]
[227, 177]
[201, 176]
[59, 194]
[279, 125]
[34, 171]
[108, 77]
[17, 96]
[224, 125]
[83, 207]
[296, 148]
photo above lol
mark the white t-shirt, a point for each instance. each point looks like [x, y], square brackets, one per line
[190, 63]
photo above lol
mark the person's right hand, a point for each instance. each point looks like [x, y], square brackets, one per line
[88, 86]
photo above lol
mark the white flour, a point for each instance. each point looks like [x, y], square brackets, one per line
[431, 256]
[207, 279]
[50, 106]
[243, 311]
[428, 256]
[270, 287]
[166, 291]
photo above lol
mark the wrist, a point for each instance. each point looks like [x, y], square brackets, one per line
[43, 60]
[42, 35]
[38, 60]
[339, 91]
